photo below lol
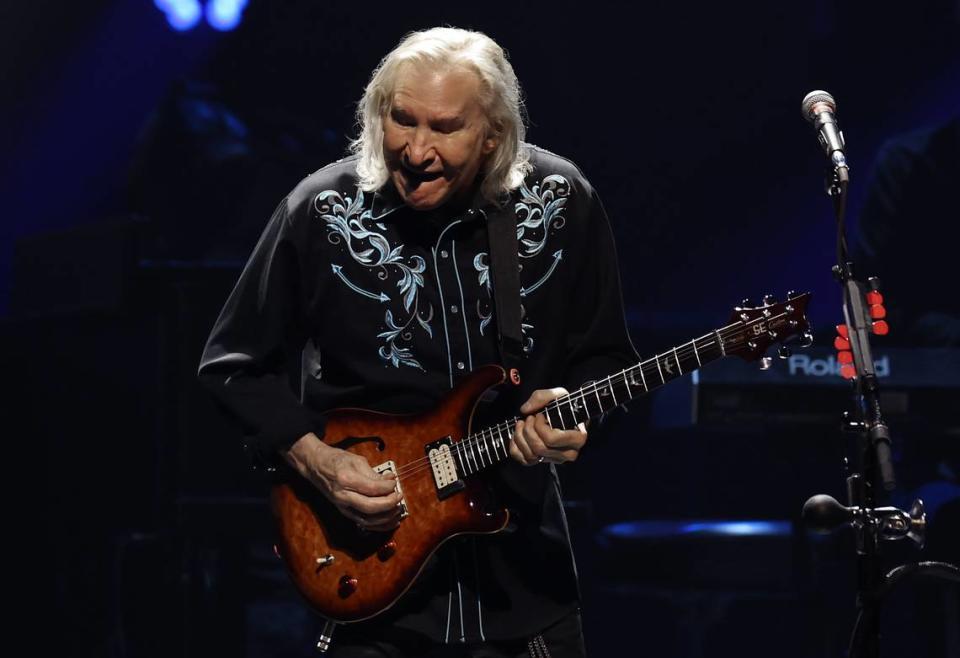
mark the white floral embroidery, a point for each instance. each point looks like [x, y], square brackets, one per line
[539, 210]
[348, 223]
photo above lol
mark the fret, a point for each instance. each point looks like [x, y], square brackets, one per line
[612, 394]
[503, 444]
[573, 414]
[723, 350]
[486, 446]
[642, 377]
[677, 359]
[456, 451]
[471, 467]
[596, 391]
[546, 413]
[696, 353]
[627, 384]
[580, 408]
[563, 424]
[471, 453]
[657, 359]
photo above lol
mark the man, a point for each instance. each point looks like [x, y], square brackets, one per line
[375, 273]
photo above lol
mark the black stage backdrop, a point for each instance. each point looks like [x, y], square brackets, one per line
[141, 162]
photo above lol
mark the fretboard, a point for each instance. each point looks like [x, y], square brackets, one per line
[491, 445]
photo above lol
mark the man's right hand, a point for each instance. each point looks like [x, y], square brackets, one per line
[367, 498]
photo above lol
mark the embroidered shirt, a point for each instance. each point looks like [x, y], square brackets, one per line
[386, 308]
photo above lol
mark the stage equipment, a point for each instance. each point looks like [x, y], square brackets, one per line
[863, 315]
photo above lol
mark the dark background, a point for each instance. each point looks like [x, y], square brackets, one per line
[139, 164]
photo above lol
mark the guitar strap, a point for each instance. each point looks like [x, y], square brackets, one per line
[505, 277]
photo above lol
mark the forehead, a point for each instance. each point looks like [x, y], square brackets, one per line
[440, 91]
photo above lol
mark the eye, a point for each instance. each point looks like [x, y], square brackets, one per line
[402, 118]
[447, 126]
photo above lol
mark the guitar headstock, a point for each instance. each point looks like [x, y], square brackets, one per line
[754, 329]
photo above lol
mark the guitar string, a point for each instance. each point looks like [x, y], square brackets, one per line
[473, 441]
[490, 433]
[477, 444]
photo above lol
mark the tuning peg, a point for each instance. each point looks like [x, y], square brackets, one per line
[765, 363]
[769, 300]
[784, 352]
[746, 302]
[791, 294]
[806, 340]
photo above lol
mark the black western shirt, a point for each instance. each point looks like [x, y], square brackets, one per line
[386, 308]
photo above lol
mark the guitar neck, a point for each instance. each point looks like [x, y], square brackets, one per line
[491, 445]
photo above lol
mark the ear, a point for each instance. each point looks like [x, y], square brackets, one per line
[490, 145]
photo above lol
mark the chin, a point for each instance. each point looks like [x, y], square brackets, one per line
[425, 202]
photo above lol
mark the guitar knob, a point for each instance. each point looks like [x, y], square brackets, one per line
[387, 551]
[325, 561]
[784, 352]
[348, 585]
[807, 339]
[765, 363]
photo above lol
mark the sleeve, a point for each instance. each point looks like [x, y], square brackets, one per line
[598, 343]
[259, 331]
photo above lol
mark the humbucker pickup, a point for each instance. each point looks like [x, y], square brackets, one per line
[443, 463]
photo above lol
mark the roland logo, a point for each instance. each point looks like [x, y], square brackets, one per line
[802, 364]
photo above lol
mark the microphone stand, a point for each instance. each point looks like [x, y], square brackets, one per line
[865, 489]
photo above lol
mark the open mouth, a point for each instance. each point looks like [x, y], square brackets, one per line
[417, 177]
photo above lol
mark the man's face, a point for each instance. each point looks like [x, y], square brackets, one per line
[435, 135]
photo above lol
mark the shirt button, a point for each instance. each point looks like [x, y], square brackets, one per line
[460, 365]
[454, 308]
[444, 253]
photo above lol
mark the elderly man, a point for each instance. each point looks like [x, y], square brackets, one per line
[375, 274]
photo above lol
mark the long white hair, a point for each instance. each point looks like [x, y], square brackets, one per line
[500, 98]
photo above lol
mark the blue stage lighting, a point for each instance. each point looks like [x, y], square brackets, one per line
[224, 15]
[182, 15]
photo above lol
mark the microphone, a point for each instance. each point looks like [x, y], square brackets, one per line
[819, 108]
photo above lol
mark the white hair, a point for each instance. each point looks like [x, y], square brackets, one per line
[500, 98]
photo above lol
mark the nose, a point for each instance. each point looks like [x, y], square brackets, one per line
[419, 153]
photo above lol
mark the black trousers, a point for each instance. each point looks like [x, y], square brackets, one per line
[564, 639]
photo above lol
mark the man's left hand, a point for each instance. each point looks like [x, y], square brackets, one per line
[534, 441]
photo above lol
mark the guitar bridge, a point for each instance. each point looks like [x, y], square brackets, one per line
[390, 467]
[444, 467]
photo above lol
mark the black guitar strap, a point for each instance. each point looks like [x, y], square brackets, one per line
[505, 277]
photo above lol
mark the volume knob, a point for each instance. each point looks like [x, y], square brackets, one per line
[387, 551]
[348, 585]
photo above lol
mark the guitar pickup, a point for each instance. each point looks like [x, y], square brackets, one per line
[390, 467]
[443, 464]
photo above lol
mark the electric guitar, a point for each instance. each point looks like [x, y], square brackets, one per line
[347, 574]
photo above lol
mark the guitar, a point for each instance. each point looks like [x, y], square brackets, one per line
[347, 574]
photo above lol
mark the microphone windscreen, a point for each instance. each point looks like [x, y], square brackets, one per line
[814, 98]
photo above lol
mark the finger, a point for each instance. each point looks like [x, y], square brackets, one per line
[367, 505]
[364, 480]
[516, 454]
[537, 445]
[519, 440]
[558, 439]
[540, 398]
